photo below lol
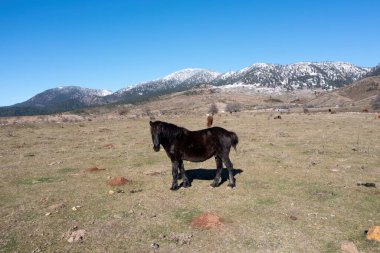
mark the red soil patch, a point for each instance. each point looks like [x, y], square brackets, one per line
[93, 169]
[118, 181]
[109, 146]
[206, 220]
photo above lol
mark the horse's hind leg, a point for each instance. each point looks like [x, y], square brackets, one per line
[219, 167]
[230, 168]
[186, 182]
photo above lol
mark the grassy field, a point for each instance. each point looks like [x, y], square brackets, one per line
[297, 191]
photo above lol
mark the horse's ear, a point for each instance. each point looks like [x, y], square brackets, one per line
[150, 122]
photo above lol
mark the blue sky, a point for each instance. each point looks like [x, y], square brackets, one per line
[113, 44]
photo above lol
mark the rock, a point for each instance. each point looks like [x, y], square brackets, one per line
[53, 163]
[179, 238]
[75, 208]
[154, 246]
[348, 247]
[47, 214]
[292, 217]
[154, 173]
[111, 192]
[374, 233]
[76, 236]
[109, 146]
[37, 250]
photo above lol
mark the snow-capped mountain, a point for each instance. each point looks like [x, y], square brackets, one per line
[192, 75]
[302, 75]
[325, 75]
[61, 94]
[59, 99]
[178, 81]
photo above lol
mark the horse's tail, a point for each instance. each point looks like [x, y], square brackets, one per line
[234, 139]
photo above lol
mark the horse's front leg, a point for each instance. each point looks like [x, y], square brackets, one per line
[175, 165]
[186, 182]
[219, 167]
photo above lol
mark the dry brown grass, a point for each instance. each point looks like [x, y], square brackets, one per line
[297, 193]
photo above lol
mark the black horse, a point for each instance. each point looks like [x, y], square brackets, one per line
[195, 146]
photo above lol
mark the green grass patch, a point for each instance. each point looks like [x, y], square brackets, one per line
[67, 170]
[330, 247]
[186, 215]
[10, 245]
[266, 201]
[38, 180]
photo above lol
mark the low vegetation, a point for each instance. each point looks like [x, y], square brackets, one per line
[213, 109]
[297, 191]
[233, 107]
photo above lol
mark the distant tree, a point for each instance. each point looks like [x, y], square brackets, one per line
[213, 109]
[233, 107]
[123, 111]
[376, 102]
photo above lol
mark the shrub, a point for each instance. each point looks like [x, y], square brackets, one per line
[213, 109]
[376, 102]
[123, 111]
[233, 107]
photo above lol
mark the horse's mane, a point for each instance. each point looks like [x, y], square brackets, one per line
[169, 131]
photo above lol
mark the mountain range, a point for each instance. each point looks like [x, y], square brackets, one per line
[302, 75]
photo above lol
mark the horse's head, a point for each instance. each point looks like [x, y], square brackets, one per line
[155, 130]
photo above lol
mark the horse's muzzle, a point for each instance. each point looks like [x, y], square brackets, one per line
[156, 148]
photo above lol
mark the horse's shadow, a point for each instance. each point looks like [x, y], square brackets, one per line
[209, 174]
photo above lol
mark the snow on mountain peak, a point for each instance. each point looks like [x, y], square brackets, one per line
[103, 93]
[184, 74]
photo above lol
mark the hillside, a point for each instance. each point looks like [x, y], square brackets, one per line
[359, 95]
[57, 100]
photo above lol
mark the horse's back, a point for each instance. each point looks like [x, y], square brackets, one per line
[217, 136]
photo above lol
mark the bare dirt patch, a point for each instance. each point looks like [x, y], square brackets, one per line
[74, 235]
[93, 169]
[117, 181]
[179, 238]
[207, 221]
[374, 233]
[55, 207]
[109, 146]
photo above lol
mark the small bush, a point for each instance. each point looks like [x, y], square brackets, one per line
[213, 109]
[233, 107]
[123, 111]
[376, 102]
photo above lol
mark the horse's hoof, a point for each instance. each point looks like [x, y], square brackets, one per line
[174, 188]
[231, 186]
